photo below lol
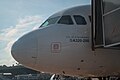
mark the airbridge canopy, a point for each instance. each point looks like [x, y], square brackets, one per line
[106, 23]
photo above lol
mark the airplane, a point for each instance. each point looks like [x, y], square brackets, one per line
[62, 45]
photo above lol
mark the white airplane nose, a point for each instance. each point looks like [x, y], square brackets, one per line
[17, 50]
[13, 50]
[25, 48]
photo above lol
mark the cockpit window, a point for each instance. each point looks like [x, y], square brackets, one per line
[80, 20]
[90, 18]
[50, 21]
[66, 19]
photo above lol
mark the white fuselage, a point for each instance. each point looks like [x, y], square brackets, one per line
[66, 49]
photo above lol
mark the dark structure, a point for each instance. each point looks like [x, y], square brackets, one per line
[20, 70]
[17, 70]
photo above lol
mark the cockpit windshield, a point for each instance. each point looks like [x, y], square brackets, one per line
[50, 21]
[66, 19]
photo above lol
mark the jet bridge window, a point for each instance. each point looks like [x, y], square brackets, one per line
[50, 21]
[80, 20]
[66, 19]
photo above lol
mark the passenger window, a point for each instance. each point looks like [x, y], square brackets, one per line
[50, 21]
[66, 19]
[79, 20]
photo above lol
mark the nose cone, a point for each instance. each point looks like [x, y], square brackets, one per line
[14, 50]
[24, 50]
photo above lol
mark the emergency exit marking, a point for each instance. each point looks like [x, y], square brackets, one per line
[56, 47]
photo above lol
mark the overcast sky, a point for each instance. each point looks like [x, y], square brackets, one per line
[18, 17]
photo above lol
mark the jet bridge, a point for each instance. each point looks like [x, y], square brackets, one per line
[105, 23]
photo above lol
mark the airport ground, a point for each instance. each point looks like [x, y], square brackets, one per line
[20, 72]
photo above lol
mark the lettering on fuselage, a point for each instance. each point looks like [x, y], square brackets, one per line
[78, 39]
